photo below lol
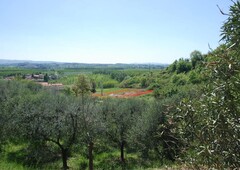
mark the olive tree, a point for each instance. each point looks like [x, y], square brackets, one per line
[48, 118]
[155, 131]
[3, 116]
[119, 116]
[90, 124]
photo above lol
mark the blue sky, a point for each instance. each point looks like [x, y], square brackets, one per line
[108, 31]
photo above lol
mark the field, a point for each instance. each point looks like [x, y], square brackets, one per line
[123, 93]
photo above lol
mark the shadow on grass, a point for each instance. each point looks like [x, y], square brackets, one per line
[111, 161]
[32, 157]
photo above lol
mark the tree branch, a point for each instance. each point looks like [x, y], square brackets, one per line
[221, 11]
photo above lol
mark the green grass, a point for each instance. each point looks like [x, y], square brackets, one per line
[14, 156]
[105, 160]
[11, 166]
[108, 90]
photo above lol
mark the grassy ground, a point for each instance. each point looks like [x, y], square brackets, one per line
[13, 158]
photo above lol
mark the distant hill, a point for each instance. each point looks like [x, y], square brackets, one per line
[53, 64]
[6, 62]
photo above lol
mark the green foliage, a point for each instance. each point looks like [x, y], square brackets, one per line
[231, 29]
[116, 75]
[179, 79]
[212, 122]
[180, 66]
[154, 86]
[154, 133]
[93, 86]
[203, 130]
[183, 66]
[173, 67]
[82, 86]
[46, 77]
[109, 84]
[66, 80]
[129, 82]
[3, 97]
[42, 118]
[194, 77]
[222, 96]
[103, 81]
[119, 116]
[196, 58]
[14, 71]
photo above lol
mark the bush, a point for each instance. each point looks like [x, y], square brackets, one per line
[179, 79]
[110, 84]
[153, 86]
[194, 78]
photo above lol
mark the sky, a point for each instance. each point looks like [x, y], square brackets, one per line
[109, 31]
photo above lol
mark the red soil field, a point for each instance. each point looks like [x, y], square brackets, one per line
[124, 93]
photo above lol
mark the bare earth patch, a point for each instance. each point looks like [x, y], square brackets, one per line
[124, 93]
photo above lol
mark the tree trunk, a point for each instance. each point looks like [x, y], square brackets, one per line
[101, 89]
[122, 151]
[64, 158]
[90, 154]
